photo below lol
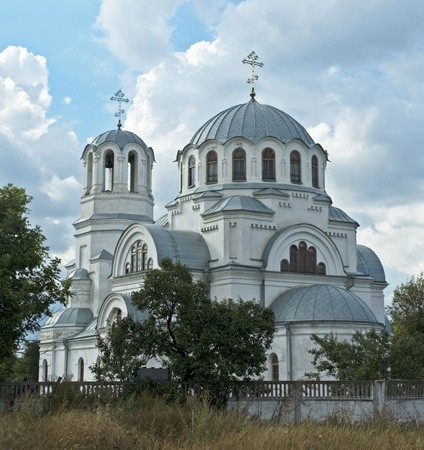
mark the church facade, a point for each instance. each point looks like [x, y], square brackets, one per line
[252, 219]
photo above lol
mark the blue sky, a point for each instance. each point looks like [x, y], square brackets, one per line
[351, 72]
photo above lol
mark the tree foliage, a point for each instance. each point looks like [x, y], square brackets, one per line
[373, 354]
[364, 357]
[29, 279]
[197, 338]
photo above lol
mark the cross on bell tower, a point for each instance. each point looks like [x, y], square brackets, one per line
[252, 59]
[119, 97]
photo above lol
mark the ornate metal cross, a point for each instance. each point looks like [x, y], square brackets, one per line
[252, 59]
[119, 97]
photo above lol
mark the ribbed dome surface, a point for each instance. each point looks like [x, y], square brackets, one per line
[119, 137]
[370, 264]
[70, 317]
[321, 303]
[252, 121]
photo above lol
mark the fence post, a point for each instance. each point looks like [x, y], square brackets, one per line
[297, 396]
[379, 396]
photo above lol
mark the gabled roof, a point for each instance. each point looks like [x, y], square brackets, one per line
[239, 203]
[338, 215]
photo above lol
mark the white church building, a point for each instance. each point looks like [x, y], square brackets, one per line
[252, 219]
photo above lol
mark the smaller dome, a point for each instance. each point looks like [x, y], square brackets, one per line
[70, 317]
[119, 137]
[369, 263]
[321, 303]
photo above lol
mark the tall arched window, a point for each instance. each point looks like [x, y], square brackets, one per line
[303, 259]
[239, 165]
[314, 168]
[144, 257]
[109, 173]
[312, 260]
[132, 172]
[191, 171]
[295, 167]
[134, 258]
[268, 165]
[45, 371]
[275, 369]
[211, 167]
[80, 369]
[139, 266]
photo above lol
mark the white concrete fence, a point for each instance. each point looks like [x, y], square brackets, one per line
[284, 401]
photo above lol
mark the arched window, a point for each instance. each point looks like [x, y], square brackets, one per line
[149, 264]
[191, 171]
[314, 168]
[312, 260]
[114, 317]
[293, 258]
[139, 266]
[211, 167]
[295, 167]
[321, 270]
[268, 165]
[239, 165]
[80, 369]
[275, 368]
[89, 172]
[132, 172]
[109, 173]
[45, 370]
[144, 257]
[302, 257]
[127, 268]
[133, 258]
[284, 265]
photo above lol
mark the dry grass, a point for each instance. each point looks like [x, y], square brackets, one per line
[152, 424]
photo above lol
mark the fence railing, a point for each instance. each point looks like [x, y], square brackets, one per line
[308, 390]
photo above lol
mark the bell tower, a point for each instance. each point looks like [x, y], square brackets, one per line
[117, 192]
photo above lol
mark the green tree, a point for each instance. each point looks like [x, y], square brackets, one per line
[364, 357]
[407, 309]
[29, 279]
[197, 338]
[373, 354]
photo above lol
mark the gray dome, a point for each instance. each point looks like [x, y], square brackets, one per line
[252, 121]
[70, 317]
[119, 137]
[369, 263]
[321, 303]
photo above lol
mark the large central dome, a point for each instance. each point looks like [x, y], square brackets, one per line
[252, 121]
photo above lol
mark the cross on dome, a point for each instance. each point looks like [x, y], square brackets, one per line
[119, 97]
[252, 59]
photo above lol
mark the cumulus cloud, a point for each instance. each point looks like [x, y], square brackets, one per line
[24, 95]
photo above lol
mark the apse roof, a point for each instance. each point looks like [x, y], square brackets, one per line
[187, 247]
[252, 121]
[119, 137]
[70, 317]
[369, 263]
[321, 303]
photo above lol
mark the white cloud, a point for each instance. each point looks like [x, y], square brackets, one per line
[24, 96]
[58, 189]
[67, 100]
[137, 32]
